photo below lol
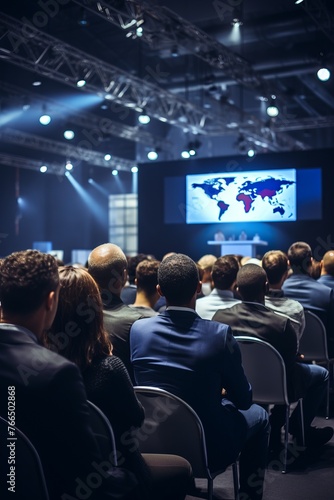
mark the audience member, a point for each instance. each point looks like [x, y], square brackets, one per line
[223, 276]
[252, 317]
[312, 294]
[327, 269]
[108, 266]
[146, 282]
[205, 263]
[108, 384]
[275, 263]
[128, 293]
[51, 402]
[196, 359]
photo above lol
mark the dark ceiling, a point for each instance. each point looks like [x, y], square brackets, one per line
[198, 78]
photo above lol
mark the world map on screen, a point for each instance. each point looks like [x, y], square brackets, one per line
[241, 197]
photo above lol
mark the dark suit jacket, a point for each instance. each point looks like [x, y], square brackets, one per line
[253, 319]
[118, 319]
[51, 409]
[316, 297]
[195, 358]
[327, 279]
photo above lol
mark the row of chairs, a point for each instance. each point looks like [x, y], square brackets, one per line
[181, 432]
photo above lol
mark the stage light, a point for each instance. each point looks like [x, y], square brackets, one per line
[272, 109]
[114, 172]
[36, 83]
[45, 119]
[323, 74]
[107, 157]
[69, 165]
[236, 21]
[81, 83]
[251, 153]
[185, 154]
[69, 134]
[175, 51]
[298, 1]
[144, 119]
[26, 104]
[43, 169]
[134, 170]
[152, 155]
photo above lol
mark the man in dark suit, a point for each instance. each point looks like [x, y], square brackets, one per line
[48, 391]
[312, 294]
[108, 265]
[251, 317]
[199, 360]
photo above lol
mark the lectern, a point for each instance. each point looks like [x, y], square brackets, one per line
[239, 247]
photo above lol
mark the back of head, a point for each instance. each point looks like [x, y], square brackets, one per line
[77, 331]
[147, 276]
[206, 261]
[251, 282]
[328, 262]
[275, 264]
[178, 279]
[224, 272]
[300, 257]
[133, 262]
[107, 264]
[26, 278]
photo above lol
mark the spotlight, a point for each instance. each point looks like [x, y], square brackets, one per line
[36, 83]
[69, 134]
[134, 170]
[69, 165]
[45, 119]
[144, 119]
[272, 109]
[81, 83]
[175, 51]
[298, 1]
[114, 172]
[236, 22]
[251, 153]
[43, 169]
[26, 104]
[323, 74]
[107, 157]
[152, 155]
[185, 154]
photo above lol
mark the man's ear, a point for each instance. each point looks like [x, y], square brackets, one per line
[51, 300]
[266, 287]
[159, 291]
[199, 287]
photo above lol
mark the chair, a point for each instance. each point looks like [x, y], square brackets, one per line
[265, 370]
[28, 472]
[171, 426]
[313, 345]
[103, 432]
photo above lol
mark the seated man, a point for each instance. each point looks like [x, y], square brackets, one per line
[146, 282]
[252, 318]
[223, 277]
[327, 269]
[51, 403]
[275, 263]
[108, 266]
[312, 294]
[197, 360]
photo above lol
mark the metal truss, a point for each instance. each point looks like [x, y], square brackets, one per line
[31, 141]
[313, 122]
[91, 124]
[322, 17]
[27, 47]
[20, 162]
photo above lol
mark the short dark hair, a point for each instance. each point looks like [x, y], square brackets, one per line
[26, 278]
[300, 256]
[178, 278]
[147, 276]
[251, 279]
[224, 272]
[275, 264]
[133, 262]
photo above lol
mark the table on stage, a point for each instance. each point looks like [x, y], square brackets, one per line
[239, 247]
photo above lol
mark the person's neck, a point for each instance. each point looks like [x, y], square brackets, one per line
[144, 300]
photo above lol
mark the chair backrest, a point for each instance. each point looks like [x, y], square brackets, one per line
[265, 370]
[20, 459]
[171, 426]
[103, 432]
[313, 343]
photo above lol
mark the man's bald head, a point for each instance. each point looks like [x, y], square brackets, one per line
[107, 264]
[328, 263]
